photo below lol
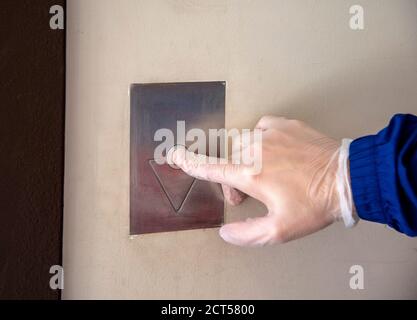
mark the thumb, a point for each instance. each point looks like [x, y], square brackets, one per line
[251, 233]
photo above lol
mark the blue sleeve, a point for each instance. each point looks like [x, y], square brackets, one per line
[383, 171]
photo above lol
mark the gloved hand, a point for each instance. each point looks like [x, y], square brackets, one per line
[303, 183]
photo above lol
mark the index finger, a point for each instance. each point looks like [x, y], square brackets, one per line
[206, 168]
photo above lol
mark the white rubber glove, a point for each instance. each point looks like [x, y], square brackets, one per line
[304, 183]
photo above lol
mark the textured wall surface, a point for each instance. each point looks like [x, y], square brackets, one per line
[32, 86]
[293, 58]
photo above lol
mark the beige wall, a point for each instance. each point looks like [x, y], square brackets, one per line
[293, 58]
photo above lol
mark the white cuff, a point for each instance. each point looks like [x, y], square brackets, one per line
[347, 208]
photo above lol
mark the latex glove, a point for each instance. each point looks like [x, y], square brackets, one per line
[297, 183]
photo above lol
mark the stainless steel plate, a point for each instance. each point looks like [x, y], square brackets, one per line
[162, 198]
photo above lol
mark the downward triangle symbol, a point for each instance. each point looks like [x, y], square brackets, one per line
[174, 182]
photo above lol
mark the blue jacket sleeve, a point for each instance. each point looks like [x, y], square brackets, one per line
[383, 171]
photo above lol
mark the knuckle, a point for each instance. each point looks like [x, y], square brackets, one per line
[212, 173]
[230, 170]
[250, 177]
[264, 120]
[225, 172]
[279, 237]
[279, 234]
[220, 173]
[296, 123]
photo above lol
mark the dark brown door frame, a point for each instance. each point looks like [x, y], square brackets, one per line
[32, 117]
